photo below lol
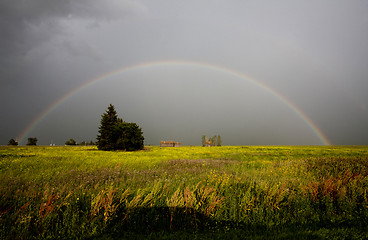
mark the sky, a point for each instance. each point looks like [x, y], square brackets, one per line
[254, 72]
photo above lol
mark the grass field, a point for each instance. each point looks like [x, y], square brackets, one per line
[252, 192]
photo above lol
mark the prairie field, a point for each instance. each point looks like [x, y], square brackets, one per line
[237, 192]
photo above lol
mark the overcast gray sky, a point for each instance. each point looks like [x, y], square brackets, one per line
[313, 53]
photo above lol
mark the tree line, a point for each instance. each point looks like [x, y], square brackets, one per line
[211, 141]
[72, 142]
[30, 142]
[33, 142]
[116, 134]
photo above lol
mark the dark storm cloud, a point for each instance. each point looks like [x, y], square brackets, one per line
[25, 25]
[32, 33]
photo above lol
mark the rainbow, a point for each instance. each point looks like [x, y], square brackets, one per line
[153, 64]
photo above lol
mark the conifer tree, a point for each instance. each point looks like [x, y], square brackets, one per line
[106, 140]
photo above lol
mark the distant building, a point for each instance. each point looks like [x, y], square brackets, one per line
[209, 144]
[170, 144]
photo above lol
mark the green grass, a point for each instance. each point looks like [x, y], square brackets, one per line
[254, 192]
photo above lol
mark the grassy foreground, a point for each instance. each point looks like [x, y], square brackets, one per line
[281, 192]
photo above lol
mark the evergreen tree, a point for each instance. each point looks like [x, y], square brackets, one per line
[106, 139]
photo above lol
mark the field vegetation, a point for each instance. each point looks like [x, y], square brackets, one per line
[255, 192]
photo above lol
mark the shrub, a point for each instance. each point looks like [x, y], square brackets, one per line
[70, 142]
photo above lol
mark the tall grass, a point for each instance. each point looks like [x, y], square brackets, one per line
[275, 191]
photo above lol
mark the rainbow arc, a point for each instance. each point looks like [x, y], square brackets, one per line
[141, 66]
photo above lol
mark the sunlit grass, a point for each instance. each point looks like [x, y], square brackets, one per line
[82, 192]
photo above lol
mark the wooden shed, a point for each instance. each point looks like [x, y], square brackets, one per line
[209, 144]
[170, 144]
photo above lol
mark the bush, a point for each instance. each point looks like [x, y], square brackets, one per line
[71, 142]
[32, 142]
[12, 142]
[130, 136]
